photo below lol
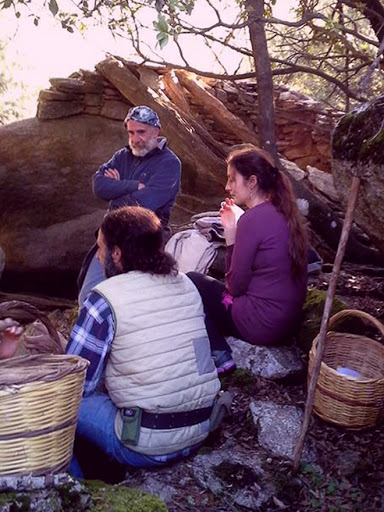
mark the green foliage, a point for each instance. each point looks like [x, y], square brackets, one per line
[53, 7]
[331, 56]
[337, 493]
[108, 498]
[13, 98]
[340, 44]
[243, 379]
[162, 28]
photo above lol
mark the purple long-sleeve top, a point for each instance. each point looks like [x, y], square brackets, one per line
[267, 301]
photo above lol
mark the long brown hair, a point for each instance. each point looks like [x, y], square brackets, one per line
[138, 233]
[273, 183]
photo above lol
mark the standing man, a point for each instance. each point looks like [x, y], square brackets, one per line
[144, 173]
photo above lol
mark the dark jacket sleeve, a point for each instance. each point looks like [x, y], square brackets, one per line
[108, 188]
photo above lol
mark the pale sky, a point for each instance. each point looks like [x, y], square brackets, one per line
[49, 51]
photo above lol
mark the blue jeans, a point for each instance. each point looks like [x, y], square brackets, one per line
[96, 424]
[95, 275]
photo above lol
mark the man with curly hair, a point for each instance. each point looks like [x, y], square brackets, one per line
[143, 331]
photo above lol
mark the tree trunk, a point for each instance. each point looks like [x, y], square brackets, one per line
[264, 78]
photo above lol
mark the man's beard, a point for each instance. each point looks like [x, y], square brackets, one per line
[142, 151]
[110, 268]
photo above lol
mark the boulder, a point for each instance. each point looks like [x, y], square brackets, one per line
[273, 363]
[279, 428]
[49, 215]
[235, 473]
[323, 182]
[358, 149]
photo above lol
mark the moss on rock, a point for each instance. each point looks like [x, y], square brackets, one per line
[94, 496]
[312, 314]
[109, 498]
[359, 135]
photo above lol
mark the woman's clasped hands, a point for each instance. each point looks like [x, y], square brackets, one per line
[229, 214]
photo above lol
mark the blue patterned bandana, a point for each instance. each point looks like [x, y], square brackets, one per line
[144, 115]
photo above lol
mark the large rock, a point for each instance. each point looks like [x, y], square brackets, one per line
[279, 428]
[269, 362]
[358, 149]
[235, 473]
[48, 214]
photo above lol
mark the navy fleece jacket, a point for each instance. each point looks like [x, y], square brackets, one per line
[159, 171]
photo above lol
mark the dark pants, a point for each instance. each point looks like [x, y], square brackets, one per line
[218, 318]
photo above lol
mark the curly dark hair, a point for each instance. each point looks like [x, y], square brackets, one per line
[139, 235]
[278, 188]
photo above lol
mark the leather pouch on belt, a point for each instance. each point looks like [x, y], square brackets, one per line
[131, 419]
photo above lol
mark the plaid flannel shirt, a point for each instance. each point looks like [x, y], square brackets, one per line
[92, 337]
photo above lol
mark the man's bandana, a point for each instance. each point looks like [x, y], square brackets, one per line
[144, 115]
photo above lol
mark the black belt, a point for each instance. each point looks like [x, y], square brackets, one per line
[163, 421]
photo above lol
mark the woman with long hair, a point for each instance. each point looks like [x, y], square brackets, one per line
[266, 259]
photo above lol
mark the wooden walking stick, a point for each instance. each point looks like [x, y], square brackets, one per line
[326, 314]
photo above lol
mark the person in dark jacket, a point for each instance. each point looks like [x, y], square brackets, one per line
[144, 173]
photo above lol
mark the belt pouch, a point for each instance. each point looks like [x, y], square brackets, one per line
[131, 418]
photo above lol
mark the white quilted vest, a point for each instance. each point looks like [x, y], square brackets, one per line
[160, 356]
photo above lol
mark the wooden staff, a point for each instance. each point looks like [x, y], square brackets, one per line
[326, 315]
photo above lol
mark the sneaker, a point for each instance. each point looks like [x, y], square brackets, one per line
[223, 361]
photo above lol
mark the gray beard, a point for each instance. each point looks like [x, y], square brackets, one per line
[110, 268]
[152, 143]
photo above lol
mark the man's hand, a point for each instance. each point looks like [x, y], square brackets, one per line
[10, 332]
[112, 173]
[140, 186]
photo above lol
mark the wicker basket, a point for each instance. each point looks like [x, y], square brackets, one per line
[39, 401]
[351, 402]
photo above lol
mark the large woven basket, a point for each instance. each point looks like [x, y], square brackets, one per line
[341, 399]
[39, 401]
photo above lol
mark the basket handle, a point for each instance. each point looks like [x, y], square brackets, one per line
[360, 314]
[26, 313]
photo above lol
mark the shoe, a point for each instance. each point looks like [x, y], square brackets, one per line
[223, 361]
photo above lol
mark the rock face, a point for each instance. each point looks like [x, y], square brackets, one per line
[270, 362]
[2, 261]
[48, 215]
[279, 428]
[358, 149]
[303, 125]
